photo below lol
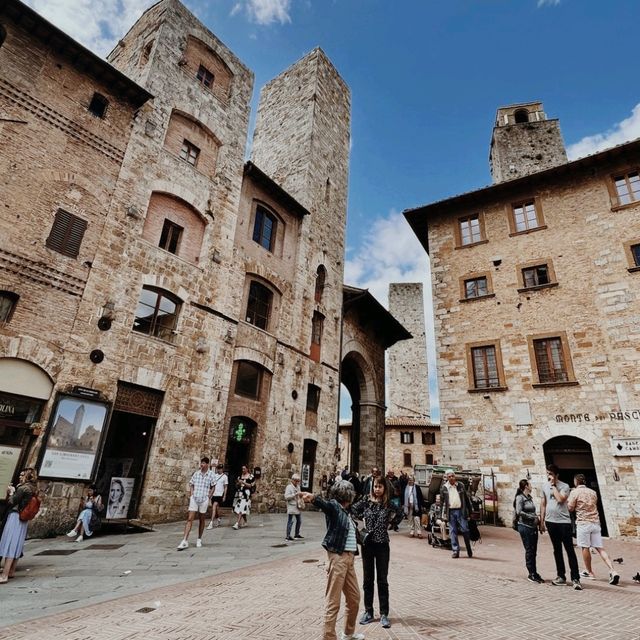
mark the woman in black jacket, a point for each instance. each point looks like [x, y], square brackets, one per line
[378, 512]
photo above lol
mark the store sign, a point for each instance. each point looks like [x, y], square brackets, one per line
[609, 416]
[625, 446]
[19, 409]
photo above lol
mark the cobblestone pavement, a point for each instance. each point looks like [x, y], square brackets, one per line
[432, 595]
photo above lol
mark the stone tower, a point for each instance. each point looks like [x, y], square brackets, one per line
[301, 141]
[524, 142]
[407, 365]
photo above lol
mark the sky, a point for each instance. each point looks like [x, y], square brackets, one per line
[426, 78]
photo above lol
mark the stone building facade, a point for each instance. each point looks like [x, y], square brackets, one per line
[536, 303]
[184, 301]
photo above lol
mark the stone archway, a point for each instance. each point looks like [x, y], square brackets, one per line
[573, 455]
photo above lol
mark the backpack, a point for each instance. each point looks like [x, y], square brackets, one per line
[30, 510]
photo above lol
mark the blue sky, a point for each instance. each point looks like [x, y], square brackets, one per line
[426, 78]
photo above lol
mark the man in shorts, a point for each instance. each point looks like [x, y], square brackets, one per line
[220, 484]
[200, 490]
[584, 502]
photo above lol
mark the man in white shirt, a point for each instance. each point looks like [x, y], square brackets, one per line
[456, 506]
[220, 484]
[200, 490]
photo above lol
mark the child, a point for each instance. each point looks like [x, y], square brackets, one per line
[378, 513]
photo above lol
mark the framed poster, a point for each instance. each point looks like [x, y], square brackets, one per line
[73, 438]
[9, 457]
[120, 492]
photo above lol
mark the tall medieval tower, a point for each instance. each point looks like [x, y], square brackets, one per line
[301, 141]
[524, 142]
[408, 379]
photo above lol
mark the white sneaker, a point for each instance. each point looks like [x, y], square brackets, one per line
[198, 542]
[235, 526]
[72, 534]
[210, 525]
[183, 545]
[79, 539]
[218, 522]
[353, 636]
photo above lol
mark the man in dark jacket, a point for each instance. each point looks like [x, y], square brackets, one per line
[456, 506]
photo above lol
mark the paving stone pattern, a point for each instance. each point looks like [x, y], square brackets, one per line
[432, 596]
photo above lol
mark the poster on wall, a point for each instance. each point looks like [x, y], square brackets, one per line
[9, 457]
[73, 437]
[120, 492]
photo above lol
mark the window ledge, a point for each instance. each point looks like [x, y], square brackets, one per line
[487, 389]
[568, 383]
[620, 207]
[170, 254]
[522, 233]
[549, 285]
[473, 299]
[471, 244]
[168, 343]
[633, 269]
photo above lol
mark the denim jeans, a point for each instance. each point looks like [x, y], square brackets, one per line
[529, 537]
[290, 518]
[375, 562]
[458, 524]
[560, 535]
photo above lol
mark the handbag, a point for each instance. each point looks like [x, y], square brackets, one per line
[363, 536]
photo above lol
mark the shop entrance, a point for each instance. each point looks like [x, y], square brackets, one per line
[308, 464]
[573, 455]
[125, 453]
[241, 433]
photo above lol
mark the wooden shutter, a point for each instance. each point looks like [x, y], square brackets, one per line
[66, 233]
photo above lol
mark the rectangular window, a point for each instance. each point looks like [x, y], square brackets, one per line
[170, 236]
[476, 287]
[248, 378]
[66, 233]
[264, 228]
[205, 76]
[526, 216]
[406, 437]
[550, 360]
[8, 301]
[189, 153]
[429, 458]
[536, 276]
[635, 254]
[627, 187]
[259, 305]
[485, 367]
[470, 230]
[407, 458]
[313, 398]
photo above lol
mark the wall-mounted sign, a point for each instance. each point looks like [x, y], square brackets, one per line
[609, 416]
[9, 457]
[19, 408]
[73, 437]
[625, 446]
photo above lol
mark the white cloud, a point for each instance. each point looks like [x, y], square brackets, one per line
[264, 12]
[98, 25]
[390, 252]
[548, 3]
[628, 129]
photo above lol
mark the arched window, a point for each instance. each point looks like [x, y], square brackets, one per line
[321, 277]
[157, 313]
[316, 335]
[264, 228]
[248, 379]
[259, 304]
[521, 115]
[8, 301]
[146, 53]
[428, 458]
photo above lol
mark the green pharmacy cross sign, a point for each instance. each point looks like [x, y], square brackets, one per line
[239, 432]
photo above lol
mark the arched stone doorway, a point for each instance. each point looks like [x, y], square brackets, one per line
[242, 432]
[573, 455]
[367, 411]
